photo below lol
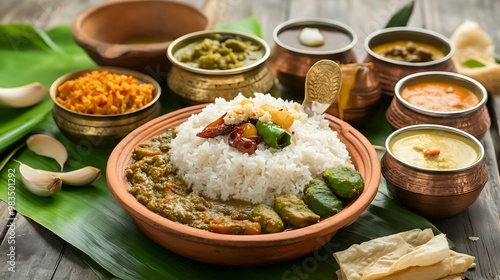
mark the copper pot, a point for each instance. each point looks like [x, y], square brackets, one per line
[475, 120]
[390, 71]
[196, 86]
[362, 100]
[290, 63]
[434, 193]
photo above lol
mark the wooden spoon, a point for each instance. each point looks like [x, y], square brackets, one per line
[323, 81]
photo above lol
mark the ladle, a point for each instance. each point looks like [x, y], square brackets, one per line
[323, 81]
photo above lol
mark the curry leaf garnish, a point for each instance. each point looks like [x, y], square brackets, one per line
[472, 63]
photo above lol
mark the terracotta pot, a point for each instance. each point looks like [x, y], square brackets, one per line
[390, 71]
[135, 34]
[239, 250]
[475, 120]
[434, 193]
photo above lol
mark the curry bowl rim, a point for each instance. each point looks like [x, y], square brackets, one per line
[142, 78]
[340, 26]
[193, 36]
[422, 31]
[437, 127]
[446, 77]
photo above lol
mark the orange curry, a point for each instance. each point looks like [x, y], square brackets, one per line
[439, 96]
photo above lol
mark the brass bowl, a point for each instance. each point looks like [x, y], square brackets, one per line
[197, 86]
[102, 131]
[290, 63]
[475, 120]
[239, 250]
[434, 193]
[390, 71]
[135, 34]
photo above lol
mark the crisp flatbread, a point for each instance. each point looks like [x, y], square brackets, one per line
[414, 254]
[473, 43]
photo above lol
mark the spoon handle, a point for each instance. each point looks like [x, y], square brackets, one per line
[323, 82]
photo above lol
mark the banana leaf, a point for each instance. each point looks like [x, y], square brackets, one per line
[402, 16]
[106, 238]
[28, 55]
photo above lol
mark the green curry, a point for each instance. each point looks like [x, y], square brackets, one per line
[154, 182]
[220, 52]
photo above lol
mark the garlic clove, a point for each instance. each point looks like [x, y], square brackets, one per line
[38, 183]
[311, 37]
[80, 177]
[45, 145]
[23, 96]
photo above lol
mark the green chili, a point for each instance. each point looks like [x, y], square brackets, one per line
[274, 135]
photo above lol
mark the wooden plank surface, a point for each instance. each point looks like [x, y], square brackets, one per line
[42, 255]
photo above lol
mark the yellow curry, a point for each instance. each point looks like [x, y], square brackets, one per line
[434, 149]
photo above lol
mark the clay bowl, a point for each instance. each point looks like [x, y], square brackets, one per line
[475, 120]
[135, 34]
[102, 131]
[434, 193]
[390, 71]
[291, 60]
[233, 250]
[194, 85]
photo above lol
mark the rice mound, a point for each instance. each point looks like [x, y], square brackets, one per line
[214, 169]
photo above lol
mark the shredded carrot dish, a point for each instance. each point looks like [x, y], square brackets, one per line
[104, 93]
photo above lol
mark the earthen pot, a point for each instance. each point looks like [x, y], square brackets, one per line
[135, 34]
[239, 250]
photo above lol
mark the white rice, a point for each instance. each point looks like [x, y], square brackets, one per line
[215, 170]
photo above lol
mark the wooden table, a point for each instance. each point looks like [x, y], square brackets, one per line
[43, 255]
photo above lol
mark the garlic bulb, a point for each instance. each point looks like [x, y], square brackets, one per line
[23, 96]
[38, 183]
[80, 177]
[45, 145]
[311, 37]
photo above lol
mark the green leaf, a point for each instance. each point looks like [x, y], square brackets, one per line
[401, 17]
[22, 36]
[90, 219]
[472, 63]
[29, 55]
[249, 25]
[497, 58]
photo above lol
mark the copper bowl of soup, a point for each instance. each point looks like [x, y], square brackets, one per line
[401, 51]
[443, 98]
[102, 105]
[211, 64]
[437, 171]
[135, 34]
[291, 58]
